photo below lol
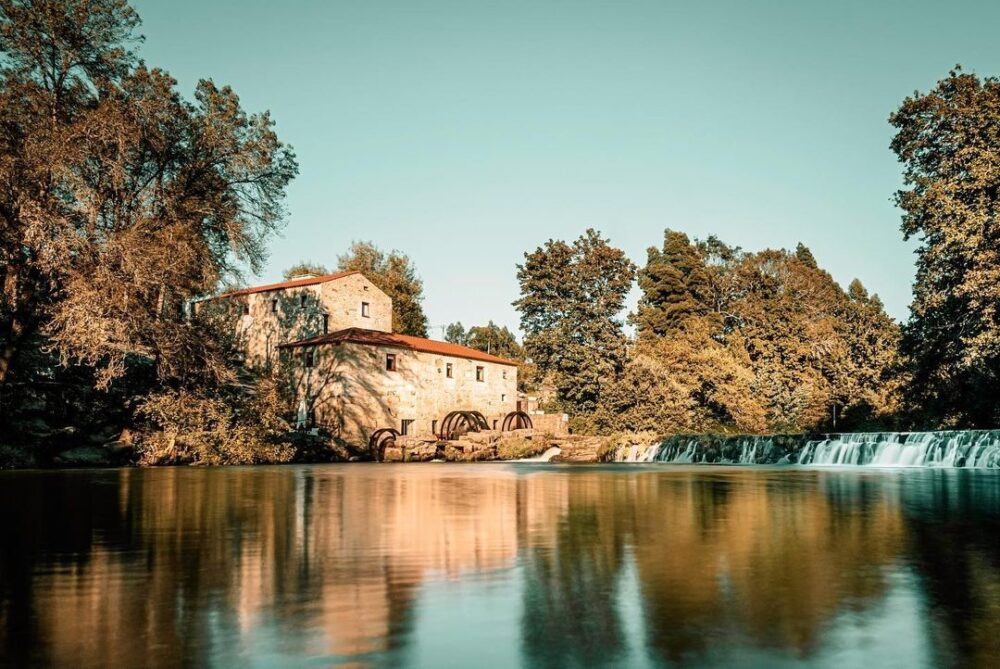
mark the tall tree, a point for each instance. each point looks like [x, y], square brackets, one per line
[674, 286]
[571, 298]
[455, 333]
[119, 199]
[947, 140]
[395, 275]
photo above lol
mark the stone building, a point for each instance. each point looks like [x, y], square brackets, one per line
[350, 372]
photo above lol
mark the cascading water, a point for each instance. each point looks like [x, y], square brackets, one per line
[968, 448]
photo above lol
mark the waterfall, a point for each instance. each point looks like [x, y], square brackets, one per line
[966, 448]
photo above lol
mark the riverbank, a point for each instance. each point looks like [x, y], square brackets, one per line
[67, 448]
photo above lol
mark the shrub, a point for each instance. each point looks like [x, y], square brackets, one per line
[518, 448]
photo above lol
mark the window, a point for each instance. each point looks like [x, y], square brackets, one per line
[246, 309]
[434, 427]
[390, 362]
[310, 358]
[365, 310]
[449, 370]
[495, 424]
[405, 426]
[326, 323]
[503, 398]
[480, 374]
[274, 305]
[302, 301]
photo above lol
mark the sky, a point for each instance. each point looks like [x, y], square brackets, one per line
[467, 133]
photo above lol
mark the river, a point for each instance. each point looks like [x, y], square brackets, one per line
[500, 565]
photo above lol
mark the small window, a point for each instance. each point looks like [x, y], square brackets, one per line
[449, 370]
[405, 425]
[274, 306]
[434, 427]
[302, 301]
[503, 398]
[390, 362]
[480, 374]
[326, 323]
[246, 309]
[365, 309]
[310, 358]
[495, 424]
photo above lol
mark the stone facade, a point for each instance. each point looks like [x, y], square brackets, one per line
[352, 393]
[268, 316]
[351, 375]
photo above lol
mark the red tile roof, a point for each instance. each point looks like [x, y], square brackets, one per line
[294, 283]
[376, 338]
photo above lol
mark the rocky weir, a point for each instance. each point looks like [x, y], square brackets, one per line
[957, 448]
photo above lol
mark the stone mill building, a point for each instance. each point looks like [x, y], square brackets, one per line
[352, 375]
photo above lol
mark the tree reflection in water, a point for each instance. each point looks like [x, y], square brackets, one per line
[197, 566]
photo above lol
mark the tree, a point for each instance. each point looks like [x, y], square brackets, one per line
[394, 274]
[674, 286]
[493, 339]
[571, 298]
[455, 333]
[947, 141]
[753, 342]
[119, 200]
[305, 267]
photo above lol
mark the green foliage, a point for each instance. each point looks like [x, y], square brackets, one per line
[675, 286]
[947, 141]
[455, 333]
[395, 275]
[571, 295]
[493, 339]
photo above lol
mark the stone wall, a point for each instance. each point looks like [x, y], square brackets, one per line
[353, 394]
[265, 320]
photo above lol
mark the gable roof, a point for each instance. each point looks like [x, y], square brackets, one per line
[392, 340]
[294, 283]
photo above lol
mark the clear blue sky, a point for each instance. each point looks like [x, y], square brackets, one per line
[464, 133]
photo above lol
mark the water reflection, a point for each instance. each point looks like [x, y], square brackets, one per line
[447, 565]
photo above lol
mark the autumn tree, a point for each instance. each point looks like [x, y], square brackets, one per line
[120, 200]
[674, 286]
[947, 141]
[571, 298]
[305, 267]
[393, 273]
[754, 342]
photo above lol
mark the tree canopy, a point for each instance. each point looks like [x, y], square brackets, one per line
[751, 342]
[305, 267]
[571, 298]
[947, 141]
[394, 274]
[120, 199]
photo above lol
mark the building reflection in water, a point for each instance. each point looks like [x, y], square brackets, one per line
[190, 566]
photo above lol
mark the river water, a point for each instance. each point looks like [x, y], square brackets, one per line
[500, 565]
